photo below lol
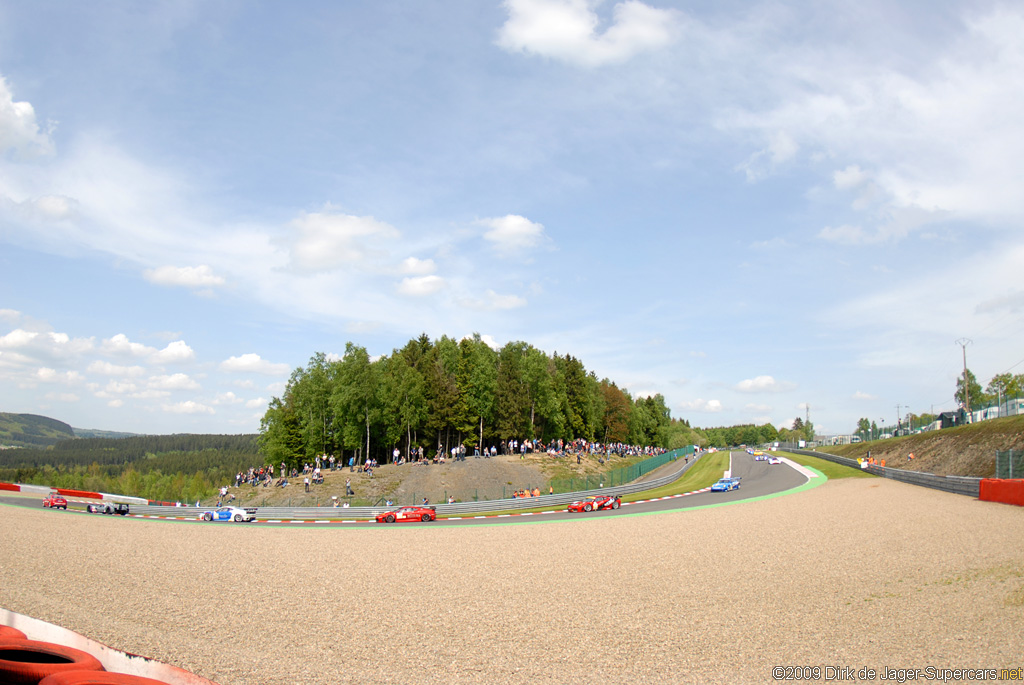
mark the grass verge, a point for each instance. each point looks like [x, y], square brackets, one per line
[831, 469]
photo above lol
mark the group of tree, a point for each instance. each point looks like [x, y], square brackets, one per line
[968, 394]
[182, 467]
[437, 394]
[1002, 386]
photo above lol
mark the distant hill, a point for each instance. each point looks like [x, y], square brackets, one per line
[32, 430]
[95, 433]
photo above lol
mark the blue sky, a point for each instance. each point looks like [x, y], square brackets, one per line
[747, 207]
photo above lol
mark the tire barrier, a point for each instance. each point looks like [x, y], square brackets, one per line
[9, 633]
[97, 678]
[29, 661]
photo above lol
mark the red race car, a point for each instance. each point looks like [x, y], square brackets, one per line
[596, 502]
[408, 514]
[55, 501]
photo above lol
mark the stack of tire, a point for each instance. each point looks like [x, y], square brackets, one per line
[24, 661]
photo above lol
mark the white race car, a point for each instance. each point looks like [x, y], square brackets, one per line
[774, 460]
[229, 514]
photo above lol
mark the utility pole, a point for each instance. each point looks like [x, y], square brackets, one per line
[963, 343]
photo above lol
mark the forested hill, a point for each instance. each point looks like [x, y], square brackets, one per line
[32, 430]
[190, 453]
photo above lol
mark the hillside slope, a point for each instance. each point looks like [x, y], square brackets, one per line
[32, 430]
[964, 451]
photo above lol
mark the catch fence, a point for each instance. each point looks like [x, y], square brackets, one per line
[1010, 464]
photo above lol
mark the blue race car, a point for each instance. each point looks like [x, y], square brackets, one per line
[726, 484]
[229, 514]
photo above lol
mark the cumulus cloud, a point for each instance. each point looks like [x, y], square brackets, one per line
[419, 286]
[567, 30]
[201, 276]
[253, 363]
[513, 233]
[256, 403]
[121, 345]
[702, 406]
[48, 375]
[17, 338]
[177, 381]
[418, 267]
[763, 384]
[177, 351]
[324, 241]
[107, 369]
[19, 130]
[188, 407]
[492, 301]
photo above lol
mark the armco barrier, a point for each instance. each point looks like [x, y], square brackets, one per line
[463, 509]
[960, 485]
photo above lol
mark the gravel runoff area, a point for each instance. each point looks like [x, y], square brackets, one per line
[855, 573]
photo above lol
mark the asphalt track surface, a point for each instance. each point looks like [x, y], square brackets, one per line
[758, 479]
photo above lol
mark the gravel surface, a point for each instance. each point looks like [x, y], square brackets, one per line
[855, 573]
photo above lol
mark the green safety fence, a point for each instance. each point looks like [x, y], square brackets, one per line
[1010, 464]
[620, 476]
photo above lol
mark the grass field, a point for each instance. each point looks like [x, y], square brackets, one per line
[831, 469]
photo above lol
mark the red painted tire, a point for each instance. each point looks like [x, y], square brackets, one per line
[97, 678]
[9, 633]
[29, 661]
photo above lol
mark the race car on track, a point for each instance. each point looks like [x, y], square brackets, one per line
[774, 460]
[596, 502]
[109, 508]
[408, 514]
[229, 514]
[55, 501]
[760, 456]
[726, 484]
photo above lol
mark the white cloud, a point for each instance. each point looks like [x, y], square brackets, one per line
[177, 381]
[108, 369]
[863, 396]
[763, 384]
[256, 403]
[325, 241]
[836, 105]
[62, 396]
[253, 363]
[201, 276]
[567, 30]
[19, 130]
[121, 345]
[48, 375]
[702, 406]
[418, 267]
[188, 407]
[227, 398]
[17, 338]
[420, 286]
[512, 233]
[492, 301]
[177, 351]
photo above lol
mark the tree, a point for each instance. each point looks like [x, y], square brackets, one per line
[864, 428]
[355, 400]
[967, 393]
[478, 378]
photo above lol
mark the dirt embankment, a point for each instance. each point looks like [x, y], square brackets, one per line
[482, 479]
[964, 451]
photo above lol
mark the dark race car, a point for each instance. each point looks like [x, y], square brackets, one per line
[109, 508]
[595, 503]
[408, 514]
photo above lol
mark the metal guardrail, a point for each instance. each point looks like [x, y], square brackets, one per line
[465, 509]
[960, 485]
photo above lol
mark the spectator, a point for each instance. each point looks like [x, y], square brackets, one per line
[306, 482]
